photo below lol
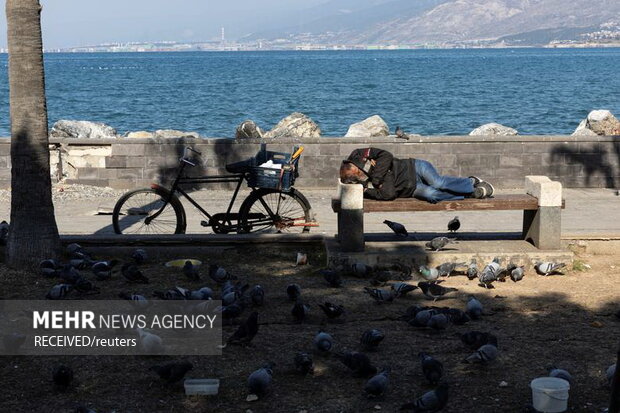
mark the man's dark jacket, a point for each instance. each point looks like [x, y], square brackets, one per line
[390, 177]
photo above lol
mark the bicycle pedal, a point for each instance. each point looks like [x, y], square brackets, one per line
[205, 223]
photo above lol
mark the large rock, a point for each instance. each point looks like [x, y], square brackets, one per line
[368, 128]
[493, 129]
[141, 134]
[171, 133]
[295, 125]
[248, 130]
[82, 129]
[599, 122]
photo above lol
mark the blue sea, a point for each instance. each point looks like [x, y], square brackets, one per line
[431, 92]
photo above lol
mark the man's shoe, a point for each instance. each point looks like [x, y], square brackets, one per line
[475, 180]
[488, 188]
[479, 192]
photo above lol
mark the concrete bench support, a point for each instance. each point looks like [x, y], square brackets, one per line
[351, 217]
[543, 227]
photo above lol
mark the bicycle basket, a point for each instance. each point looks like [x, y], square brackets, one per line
[281, 176]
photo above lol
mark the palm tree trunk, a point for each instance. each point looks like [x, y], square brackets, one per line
[33, 233]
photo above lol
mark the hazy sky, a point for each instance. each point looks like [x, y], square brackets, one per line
[85, 22]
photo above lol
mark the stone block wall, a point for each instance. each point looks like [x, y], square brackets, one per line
[504, 160]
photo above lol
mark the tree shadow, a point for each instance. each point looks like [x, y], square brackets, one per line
[593, 161]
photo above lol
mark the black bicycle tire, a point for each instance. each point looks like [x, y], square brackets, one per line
[255, 195]
[174, 201]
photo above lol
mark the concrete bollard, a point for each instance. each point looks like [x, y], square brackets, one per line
[351, 217]
[543, 227]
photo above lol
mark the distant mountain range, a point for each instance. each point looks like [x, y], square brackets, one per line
[518, 22]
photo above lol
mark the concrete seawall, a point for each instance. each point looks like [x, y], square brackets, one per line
[576, 161]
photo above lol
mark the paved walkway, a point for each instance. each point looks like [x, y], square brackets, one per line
[589, 213]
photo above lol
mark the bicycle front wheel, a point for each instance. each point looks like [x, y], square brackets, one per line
[270, 210]
[145, 211]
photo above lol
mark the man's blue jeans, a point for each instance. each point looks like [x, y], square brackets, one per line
[432, 187]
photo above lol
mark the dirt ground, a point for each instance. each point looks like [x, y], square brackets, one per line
[568, 321]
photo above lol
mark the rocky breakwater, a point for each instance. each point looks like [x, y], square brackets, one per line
[598, 122]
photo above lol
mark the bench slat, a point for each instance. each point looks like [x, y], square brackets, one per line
[499, 202]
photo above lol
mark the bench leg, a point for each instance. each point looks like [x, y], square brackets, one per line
[543, 227]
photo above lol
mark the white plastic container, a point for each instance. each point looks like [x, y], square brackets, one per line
[550, 394]
[201, 387]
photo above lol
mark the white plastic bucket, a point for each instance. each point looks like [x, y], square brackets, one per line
[201, 387]
[550, 394]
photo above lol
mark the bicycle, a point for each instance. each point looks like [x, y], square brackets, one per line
[273, 203]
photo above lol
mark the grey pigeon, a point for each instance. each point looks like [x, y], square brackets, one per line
[75, 251]
[454, 224]
[438, 322]
[172, 372]
[12, 342]
[219, 274]
[257, 295]
[490, 273]
[332, 277]
[446, 269]
[300, 311]
[474, 308]
[4, 232]
[62, 376]
[191, 271]
[293, 291]
[361, 270]
[377, 385]
[434, 291]
[476, 339]
[132, 273]
[610, 373]
[332, 311]
[177, 293]
[59, 291]
[429, 274]
[548, 268]
[472, 270]
[139, 256]
[82, 285]
[399, 229]
[439, 243]
[103, 269]
[457, 316]
[484, 354]
[430, 402]
[517, 273]
[359, 363]
[422, 318]
[304, 363]
[323, 342]
[380, 296]
[371, 338]
[561, 374]
[431, 367]
[259, 382]
[49, 268]
[204, 293]
[400, 134]
[401, 288]
[246, 331]
[69, 274]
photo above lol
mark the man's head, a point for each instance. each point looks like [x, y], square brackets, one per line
[351, 174]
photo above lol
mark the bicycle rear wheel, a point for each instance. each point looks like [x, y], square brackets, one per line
[270, 210]
[135, 213]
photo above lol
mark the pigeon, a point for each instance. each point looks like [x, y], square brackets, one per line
[472, 270]
[378, 384]
[12, 342]
[137, 299]
[59, 291]
[49, 268]
[429, 274]
[359, 363]
[446, 269]
[610, 373]
[474, 308]
[490, 273]
[430, 402]
[399, 229]
[172, 372]
[257, 295]
[149, 342]
[371, 338]
[477, 339]
[434, 291]
[62, 376]
[81, 263]
[219, 274]
[300, 311]
[204, 293]
[69, 274]
[232, 292]
[133, 274]
[548, 268]
[484, 354]
[191, 271]
[178, 293]
[438, 322]
[380, 296]
[561, 374]
[323, 342]
[82, 285]
[4, 232]
[303, 363]
[517, 273]
[246, 331]
[431, 367]
[361, 270]
[103, 269]
[332, 311]
[437, 244]
[75, 251]
[259, 382]
[230, 311]
[457, 317]
[401, 288]
[332, 277]
[421, 318]
[293, 291]
[400, 134]
[454, 224]
[396, 272]
[139, 256]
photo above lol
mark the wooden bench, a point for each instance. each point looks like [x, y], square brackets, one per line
[541, 205]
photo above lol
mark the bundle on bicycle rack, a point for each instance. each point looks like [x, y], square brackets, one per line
[275, 170]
